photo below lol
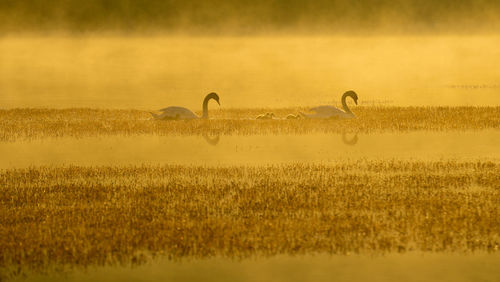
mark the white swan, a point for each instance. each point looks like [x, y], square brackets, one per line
[184, 113]
[333, 112]
[292, 116]
[266, 116]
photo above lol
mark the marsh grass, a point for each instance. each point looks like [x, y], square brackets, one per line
[18, 124]
[80, 216]
[98, 215]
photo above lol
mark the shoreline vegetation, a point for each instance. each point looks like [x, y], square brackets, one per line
[250, 17]
[57, 217]
[20, 124]
[81, 216]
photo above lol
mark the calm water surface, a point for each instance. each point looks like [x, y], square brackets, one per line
[240, 150]
[395, 267]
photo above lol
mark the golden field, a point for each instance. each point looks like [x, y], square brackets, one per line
[95, 215]
[78, 215]
[18, 124]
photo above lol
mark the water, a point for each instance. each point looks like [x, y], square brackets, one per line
[151, 72]
[257, 150]
[395, 267]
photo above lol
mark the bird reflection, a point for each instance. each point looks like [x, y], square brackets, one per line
[212, 140]
[350, 142]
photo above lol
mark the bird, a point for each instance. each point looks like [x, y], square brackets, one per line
[324, 112]
[292, 116]
[266, 116]
[175, 113]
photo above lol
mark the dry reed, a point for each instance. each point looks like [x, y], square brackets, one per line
[97, 215]
[18, 124]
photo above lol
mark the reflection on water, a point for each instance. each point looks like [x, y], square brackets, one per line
[214, 140]
[395, 267]
[350, 141]
[214, 150]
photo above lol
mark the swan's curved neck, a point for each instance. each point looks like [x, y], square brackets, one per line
[205, 107]
[344, 104]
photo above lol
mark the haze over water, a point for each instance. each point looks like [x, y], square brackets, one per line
[251, 72]
[150, 54]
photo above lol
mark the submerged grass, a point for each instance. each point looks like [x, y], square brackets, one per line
[19, 124]
[96, 215]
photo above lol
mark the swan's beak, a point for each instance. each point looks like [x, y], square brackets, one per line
[356, 101]
[218, 101]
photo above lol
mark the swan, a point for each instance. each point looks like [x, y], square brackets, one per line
[292, 116]
[175, 112]
[333, 112]
[266, 116]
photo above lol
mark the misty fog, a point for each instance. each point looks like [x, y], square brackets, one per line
[140, 54]
[148, 72]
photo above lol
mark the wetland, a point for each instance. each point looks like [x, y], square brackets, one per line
[93, 188]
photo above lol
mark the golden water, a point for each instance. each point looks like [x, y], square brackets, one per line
[255, 150]
[395, 267]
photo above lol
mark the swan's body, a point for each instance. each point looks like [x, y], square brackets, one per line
[292, 116]
[174, 112]
[324, 112]
[266, 116]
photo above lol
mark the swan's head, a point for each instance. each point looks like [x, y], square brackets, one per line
[214, 96]
[353, 95]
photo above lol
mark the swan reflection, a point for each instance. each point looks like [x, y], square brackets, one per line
[352, 141]
[212, 140]
[346, 139]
